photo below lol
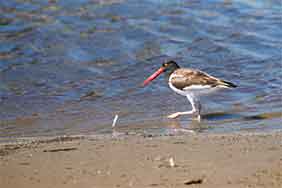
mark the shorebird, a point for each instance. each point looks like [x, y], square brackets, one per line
[191, 83]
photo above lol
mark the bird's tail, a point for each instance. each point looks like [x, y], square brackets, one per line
[227, 84]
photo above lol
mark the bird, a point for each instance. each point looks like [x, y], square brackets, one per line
[191, 83]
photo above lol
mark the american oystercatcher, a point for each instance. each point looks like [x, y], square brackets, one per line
[190, 83]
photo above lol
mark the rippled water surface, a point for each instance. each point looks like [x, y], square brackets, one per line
[67, 67]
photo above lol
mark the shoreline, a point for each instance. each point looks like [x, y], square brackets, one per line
[187, 160]
[175, 132]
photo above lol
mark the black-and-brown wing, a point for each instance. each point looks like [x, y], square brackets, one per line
[185, 78]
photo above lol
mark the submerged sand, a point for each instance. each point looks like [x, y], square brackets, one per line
[190, 160]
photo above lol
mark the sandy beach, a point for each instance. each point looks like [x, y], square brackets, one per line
[190, 160]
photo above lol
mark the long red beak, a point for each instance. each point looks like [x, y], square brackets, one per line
[153, 76]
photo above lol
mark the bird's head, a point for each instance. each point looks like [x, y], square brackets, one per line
[170, 66]
[167, 67]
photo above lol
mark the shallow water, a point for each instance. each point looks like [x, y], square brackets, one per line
[67, 67]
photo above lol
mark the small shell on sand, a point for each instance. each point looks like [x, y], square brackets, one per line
[171, 162]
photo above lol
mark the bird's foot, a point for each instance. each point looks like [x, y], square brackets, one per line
[198, 118]
[174, 115]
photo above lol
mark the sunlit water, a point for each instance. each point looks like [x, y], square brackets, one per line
[67, 67]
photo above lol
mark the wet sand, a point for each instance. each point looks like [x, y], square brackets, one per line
[190, 160]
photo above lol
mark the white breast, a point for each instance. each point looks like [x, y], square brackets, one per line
[180, 92]
[193, 89]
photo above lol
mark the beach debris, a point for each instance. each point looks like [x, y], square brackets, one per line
[59, 149]
[115, 121]
[7, 149]
[24, 163]
[165, 162]
[179, 142]
[99, 172]
[194, 181]
[171, 162]
[154, 184]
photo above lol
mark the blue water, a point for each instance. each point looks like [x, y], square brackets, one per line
[67, 67]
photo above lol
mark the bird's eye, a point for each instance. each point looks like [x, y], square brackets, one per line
[165, 64]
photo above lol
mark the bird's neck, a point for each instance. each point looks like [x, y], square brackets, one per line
[171, 70]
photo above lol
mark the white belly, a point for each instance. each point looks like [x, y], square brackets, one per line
[194, 89]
